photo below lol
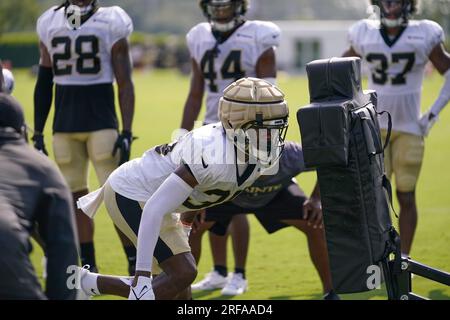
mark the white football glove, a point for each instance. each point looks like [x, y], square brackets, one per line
[427, 121]
[143, 289]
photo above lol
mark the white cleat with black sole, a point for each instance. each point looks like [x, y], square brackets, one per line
[143, 290]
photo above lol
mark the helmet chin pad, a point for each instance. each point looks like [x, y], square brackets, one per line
[224, 27]
[392, 23]
[224, 15]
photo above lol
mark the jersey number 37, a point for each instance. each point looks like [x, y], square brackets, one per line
[380, 74]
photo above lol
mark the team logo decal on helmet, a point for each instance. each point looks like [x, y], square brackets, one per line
[254, 115]
[395, 13]
[224, 15]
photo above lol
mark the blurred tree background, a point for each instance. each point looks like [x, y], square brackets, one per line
[177, 16]
[18, 15]
[160, 25]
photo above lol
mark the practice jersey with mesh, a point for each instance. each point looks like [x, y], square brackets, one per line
[397, 67]
[83, 56]
[208, 154]
[236, 57]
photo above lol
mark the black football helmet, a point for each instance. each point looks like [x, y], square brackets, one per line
[402, 16]
[224, 15]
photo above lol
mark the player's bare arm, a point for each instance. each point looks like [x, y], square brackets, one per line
[43, 96]
[194, 100]
[441, 61]
[440, 58]
[266, 65]
[122, 70]
[350, 53]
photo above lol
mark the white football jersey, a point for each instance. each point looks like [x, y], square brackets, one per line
[83, 56]
[397, 67]
[209, 155]
[236, 58]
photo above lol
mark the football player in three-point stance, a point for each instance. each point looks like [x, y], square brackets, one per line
[223, 49]
[396, 50]
[83, 47]
[203, 168]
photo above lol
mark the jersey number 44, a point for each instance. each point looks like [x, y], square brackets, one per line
[231, 68]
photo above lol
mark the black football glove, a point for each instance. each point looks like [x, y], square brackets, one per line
[39, 144]
[123, 143]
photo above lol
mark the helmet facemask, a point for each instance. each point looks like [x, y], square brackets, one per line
[261, 141]
[224, 15]
[395, 13]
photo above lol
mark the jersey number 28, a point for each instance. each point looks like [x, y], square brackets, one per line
[231, 68]
[84, 55]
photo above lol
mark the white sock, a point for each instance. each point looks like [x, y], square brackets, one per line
[89, 283]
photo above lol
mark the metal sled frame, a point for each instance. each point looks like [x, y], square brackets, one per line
[398, 274]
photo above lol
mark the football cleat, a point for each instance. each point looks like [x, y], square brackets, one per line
[212, 281]
[236, 285]
[143, 290]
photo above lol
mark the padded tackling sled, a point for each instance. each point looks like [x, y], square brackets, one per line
[341, 139]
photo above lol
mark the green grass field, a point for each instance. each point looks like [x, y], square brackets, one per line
[278, 265]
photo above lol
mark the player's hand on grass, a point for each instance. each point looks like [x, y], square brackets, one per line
[39, 144]
[312, 212]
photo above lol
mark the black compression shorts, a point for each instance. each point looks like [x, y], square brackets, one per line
[287, 205]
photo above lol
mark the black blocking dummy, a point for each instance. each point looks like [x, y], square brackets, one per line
[341, 139]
